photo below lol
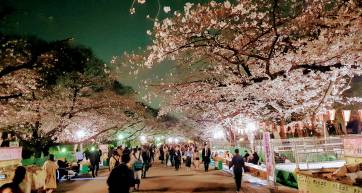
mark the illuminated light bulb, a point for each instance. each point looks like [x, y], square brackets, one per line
[80, 134]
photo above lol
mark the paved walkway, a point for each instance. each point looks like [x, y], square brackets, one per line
[167, 180]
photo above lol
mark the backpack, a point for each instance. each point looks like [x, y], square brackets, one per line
[138, 164]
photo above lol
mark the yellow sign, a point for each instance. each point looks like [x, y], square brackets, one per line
[353, 160]
[307, 184]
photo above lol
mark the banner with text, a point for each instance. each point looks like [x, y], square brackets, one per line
[268, 153]
[10, 153]
[307, 184]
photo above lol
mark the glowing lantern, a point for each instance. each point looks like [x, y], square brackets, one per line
[120, 136]
[346, 115]
[332, 114]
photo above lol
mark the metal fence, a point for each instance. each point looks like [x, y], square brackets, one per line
[304, 150]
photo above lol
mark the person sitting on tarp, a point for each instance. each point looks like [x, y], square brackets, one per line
[246, 155]
[63, 165]
[255, 159]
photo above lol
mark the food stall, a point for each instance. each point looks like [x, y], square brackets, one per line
[10, 159]
[346, 178]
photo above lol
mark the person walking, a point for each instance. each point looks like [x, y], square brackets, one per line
[50, 167]
[13, 187]
[114, 161]
[152, 153]
[136, 164]
[238, 163]
[121, 178]
[177, 158]
[189, 155]
[206, 154]
[196, 157]
[167, 151]
[162, 154]
[172, 155]
[94, 158]
[147, 159]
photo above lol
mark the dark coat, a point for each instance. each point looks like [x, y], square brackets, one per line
[238, 163]
[120, 179]
[206, 157]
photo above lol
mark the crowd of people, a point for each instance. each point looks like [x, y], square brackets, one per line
[174, 155]
[128, 167]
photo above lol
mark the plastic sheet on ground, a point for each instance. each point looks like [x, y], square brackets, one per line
[247, 177]
[291, 167]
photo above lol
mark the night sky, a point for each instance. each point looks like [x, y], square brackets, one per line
[105, 26]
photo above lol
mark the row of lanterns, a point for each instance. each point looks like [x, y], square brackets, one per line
[346, 114]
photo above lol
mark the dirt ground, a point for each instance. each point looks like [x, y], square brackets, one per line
[167, 180]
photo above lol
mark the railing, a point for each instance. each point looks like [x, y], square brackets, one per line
[305, 150]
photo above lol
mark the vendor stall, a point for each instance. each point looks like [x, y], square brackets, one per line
[344, 177]
[10, 159]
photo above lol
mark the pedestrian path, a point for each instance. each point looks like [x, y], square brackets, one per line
[167, 180]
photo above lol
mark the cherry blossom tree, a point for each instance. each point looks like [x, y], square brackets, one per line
[271, 60]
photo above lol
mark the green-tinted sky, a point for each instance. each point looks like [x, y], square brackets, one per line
[104, 25]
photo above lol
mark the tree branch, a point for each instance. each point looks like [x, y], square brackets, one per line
[6, 97]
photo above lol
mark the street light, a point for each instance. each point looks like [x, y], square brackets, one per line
[80, 134]
[120, 136]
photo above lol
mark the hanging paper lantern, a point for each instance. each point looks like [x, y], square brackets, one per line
[321, 117]
[346, 115]
[332, 114]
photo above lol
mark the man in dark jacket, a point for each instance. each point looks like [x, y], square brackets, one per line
[206, 154]
[239, 165]
[94, 158]
[121, 178]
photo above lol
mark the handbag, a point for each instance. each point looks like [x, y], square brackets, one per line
[138, 164]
